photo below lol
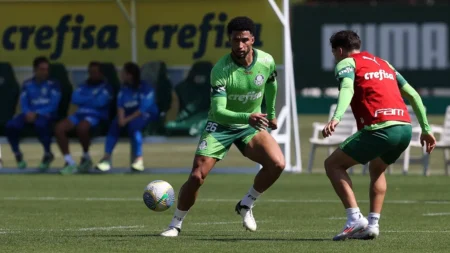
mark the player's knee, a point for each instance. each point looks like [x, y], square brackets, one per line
[60, 128]
[328, 165]
[279, 165]
[83, 128]
[196, 179]
[379, 188]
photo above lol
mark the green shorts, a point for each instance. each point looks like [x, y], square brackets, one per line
[216, 139]
[387, 143]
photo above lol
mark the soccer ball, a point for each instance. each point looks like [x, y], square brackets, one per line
[159, 195]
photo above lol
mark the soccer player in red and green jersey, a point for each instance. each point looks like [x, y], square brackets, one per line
[374, 89]
[239, 81]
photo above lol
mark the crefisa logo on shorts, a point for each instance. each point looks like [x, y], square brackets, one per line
[203, 145]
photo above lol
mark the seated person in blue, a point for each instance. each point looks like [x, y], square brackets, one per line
[136, 108]
[39, 101]
[93, 99]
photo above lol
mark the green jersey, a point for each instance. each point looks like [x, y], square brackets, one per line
[237, 91]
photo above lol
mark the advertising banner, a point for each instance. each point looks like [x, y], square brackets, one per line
[415, 40]
[179, 32]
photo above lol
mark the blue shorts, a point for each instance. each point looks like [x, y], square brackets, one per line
[77, 118]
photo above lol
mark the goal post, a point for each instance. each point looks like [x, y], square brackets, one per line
[287, 111]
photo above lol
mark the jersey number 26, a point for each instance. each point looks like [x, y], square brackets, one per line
[211, 127]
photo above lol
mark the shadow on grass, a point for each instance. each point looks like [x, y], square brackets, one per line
[266, 239]
[202, 237]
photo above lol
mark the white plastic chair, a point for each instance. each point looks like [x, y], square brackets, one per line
[443, 142]
[346, 127]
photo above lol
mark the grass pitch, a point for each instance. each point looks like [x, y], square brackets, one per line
[92, 213]
[300, 213]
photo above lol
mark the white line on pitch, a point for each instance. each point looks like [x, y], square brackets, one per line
[337, 218]
[108, 228]
[437, 202]
[74, 229]
[444, 202]
[416, 231]
[222, 222]
[435, 214]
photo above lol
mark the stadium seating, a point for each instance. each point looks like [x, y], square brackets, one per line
[194, 99]
[198, 80]
[155, 72]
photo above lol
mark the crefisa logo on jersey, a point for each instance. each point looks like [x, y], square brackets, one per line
[380, 75]
[259, 80]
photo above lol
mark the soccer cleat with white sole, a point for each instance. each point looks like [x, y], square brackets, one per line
[352, 228]
[369, 233]
[247, 216]
[103, 165]
[171, 232]
[138, 165]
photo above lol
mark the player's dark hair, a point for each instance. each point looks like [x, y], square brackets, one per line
[348, 40]
[95, 64]
[135, 72]
[38, 60]
[239, 24]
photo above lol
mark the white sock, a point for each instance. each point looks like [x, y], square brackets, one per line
[373, 218]
[86, 155]
[353, 214]
[250, 198]
[69, 160]
[178, 218]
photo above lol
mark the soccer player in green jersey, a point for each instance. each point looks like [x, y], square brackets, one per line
[375, 91]
[239, 81]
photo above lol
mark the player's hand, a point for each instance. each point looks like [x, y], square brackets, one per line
[258, 121]
[329, 128]
[428, 141]
[30, 117]
[273, 124]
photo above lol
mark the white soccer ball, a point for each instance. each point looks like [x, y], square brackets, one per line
[159, 195]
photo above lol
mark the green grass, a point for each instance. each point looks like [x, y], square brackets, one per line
[180, 155]
[300, 213]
